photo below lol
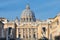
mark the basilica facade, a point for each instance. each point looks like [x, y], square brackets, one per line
[30, 28]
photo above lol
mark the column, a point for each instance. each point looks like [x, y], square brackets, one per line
[2, 33]
[21, 29]
[17, 33]
[31, 33]
[27, 33]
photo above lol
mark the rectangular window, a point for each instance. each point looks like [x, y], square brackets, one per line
[57, 22]
[44, 30]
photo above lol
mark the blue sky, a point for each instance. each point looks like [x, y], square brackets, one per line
[43, 9]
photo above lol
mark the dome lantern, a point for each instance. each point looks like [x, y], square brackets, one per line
[27, 7]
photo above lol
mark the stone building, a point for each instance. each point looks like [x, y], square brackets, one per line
[30, 28]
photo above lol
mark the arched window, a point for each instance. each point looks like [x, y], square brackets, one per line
[9, 30]
[44, 29]
[19, 35]
[29, 36]
[23, 36]
[33, 35]
[30, 19]
[27, 19]
[57, 22]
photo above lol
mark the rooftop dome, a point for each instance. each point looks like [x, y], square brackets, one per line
[27, 15]
[58, 14]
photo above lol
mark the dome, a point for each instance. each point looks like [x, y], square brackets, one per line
[58, 14]
[27, 14]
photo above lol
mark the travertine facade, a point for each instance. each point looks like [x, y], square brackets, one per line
[28, 27]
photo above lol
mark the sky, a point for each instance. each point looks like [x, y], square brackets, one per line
[43, 9]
